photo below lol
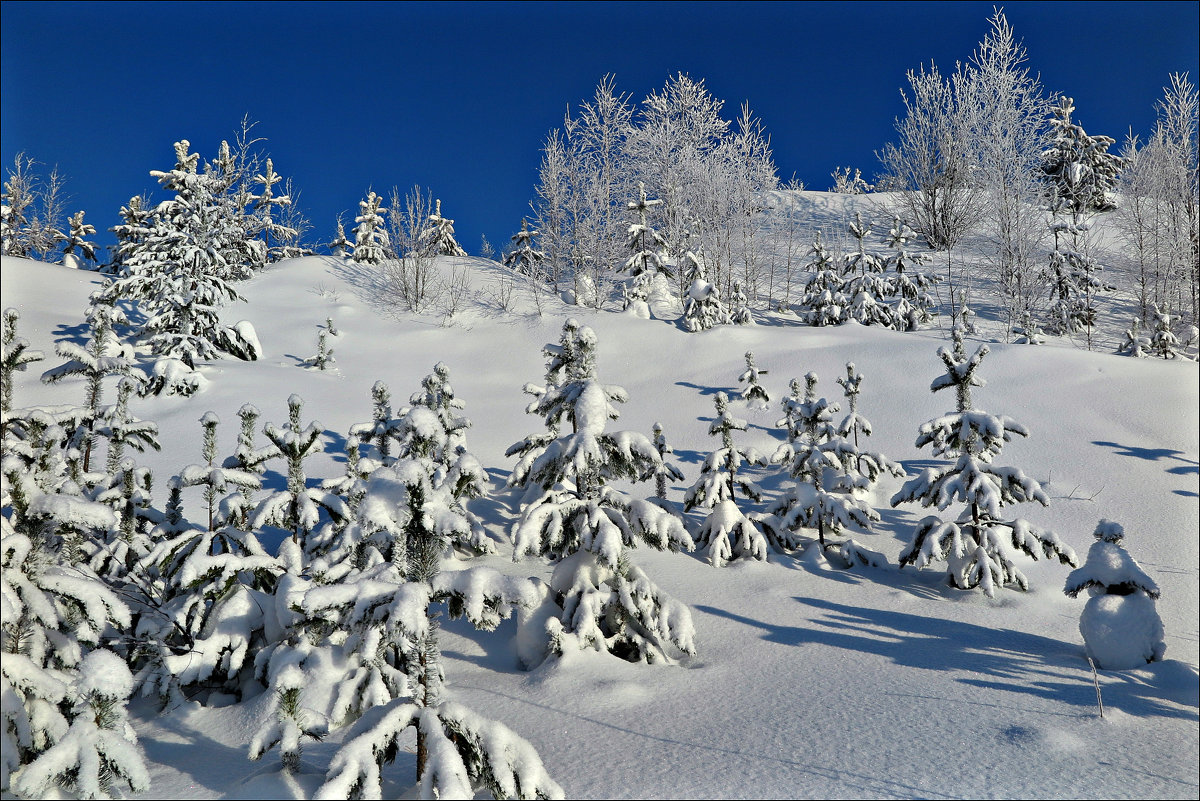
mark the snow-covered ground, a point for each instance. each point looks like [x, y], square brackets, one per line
[809, 681]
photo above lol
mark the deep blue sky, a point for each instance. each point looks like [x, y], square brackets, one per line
[459, 97]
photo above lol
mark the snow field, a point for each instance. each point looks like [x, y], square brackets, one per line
[809, 681]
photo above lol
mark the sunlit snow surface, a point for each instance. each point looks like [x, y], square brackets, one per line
[810, 680]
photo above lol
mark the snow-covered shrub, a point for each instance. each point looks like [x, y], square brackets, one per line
[1120, 626]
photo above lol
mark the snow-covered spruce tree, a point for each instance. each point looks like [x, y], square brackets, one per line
[77, 240]
[433, 432]
[324, 356]
[524, 258]
[830, 473]
[101, 357]
[341, 247]
[1078, 167]
[437, 239]
[702, 308]
[382, 430]
[135, 227]
[63, 719]
[739, 306]
[1120, 626]
[586, 525]
[823, 302]
[181, 271]
[297, 508]
[14, 358]
[214, 584]
[1074, 281]
[753, 392]
[864, 285]
[248, 458]
[394, 677]
[371, 242]
[1163, 341]
[667, 470]
[980, 547]
[645, 244]
[265, 206]
[727, 532]
[911, 289]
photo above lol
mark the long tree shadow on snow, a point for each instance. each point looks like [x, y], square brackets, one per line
[1013, 661]
[1188, 467]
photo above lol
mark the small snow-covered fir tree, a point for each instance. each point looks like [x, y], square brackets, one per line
[14, 358]
[830, 472]
[702, 308]
[739, 306]
[1078, 167]
[645, 244]
[76, 239]
[1163, 342]
[753, 392]
[101, 357]
[371, 242]
[865, 286]
[433, 431]
[341, 247]
[727, 532]
[606, 603]
[366, 642]
[274, 233]
[1120, 625]
[667, 470]
[1135, 343]
[979, 547]
[437, 238]
[824, 302]
[297, 508]
[324, 356]
[524, 258]
[914, 304]
[64, 723]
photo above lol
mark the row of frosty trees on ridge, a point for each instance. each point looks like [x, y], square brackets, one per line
[107, 595]
[984, 153]
[986, 150]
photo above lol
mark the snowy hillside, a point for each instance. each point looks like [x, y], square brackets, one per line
[809, 680]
